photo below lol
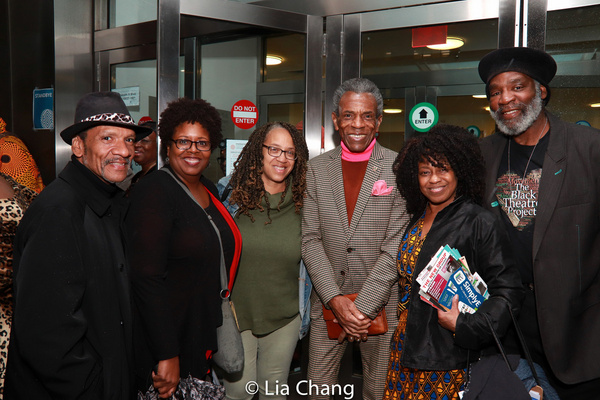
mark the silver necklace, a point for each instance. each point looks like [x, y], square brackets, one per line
[514, 219]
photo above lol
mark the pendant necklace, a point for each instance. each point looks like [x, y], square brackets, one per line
[512, 216]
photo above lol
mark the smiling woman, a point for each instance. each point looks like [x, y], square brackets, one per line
[176, 254]
[268, 187]
[440, 174]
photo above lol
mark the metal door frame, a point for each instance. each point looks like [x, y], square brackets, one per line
[160, 40]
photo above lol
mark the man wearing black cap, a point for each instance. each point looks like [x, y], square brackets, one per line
[72, 324]
[542, 181]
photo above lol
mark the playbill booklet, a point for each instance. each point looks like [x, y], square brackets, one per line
[448, 274]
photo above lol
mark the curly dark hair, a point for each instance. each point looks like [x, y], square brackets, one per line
[442, 145]
[192, 111]
[246, 181]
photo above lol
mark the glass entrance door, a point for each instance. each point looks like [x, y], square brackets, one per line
[408, 73]
[228, 52]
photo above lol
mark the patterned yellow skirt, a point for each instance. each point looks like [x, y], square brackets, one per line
[412, 384]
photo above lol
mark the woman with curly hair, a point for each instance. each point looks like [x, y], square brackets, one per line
[175, 252]
[440, 174]
[268, 190]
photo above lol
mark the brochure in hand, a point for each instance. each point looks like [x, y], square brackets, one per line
[448, 274]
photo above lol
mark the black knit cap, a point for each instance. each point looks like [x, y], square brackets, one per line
[102, 108]
[536, 64]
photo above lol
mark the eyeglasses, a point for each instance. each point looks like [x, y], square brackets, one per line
[276, 152]
[185, 144]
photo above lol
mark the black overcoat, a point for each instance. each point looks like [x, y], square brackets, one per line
[72, 323]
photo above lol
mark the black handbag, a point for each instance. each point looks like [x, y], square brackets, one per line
[492, 377]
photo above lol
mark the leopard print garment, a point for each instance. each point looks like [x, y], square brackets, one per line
[11, 212]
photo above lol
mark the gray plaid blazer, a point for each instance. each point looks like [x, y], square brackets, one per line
[359, 257]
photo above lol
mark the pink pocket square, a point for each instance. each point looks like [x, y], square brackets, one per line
[380, 189]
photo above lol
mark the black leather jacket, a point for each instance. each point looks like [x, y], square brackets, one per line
[478, 236]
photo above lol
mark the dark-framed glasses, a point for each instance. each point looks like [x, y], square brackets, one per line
[186, 144]
[276, 152]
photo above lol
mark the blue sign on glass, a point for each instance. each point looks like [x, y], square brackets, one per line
[43, 109]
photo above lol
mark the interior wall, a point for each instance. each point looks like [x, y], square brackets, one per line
[28, 45]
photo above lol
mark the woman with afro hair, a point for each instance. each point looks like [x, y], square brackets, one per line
[175, 252]
[267, 188]
[440, 174]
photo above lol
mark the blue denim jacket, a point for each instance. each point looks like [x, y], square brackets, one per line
[304, 282]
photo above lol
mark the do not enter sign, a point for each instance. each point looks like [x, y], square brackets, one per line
[244, 114]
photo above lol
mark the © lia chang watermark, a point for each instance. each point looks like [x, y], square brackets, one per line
[303, 388]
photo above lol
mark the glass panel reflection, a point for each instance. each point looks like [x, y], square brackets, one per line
[127, 12]
[573, 39]
[390, 60]
[288, 51]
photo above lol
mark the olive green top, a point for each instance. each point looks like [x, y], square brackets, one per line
[265, 293]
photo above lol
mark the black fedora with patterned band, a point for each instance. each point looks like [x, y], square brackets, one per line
[102, 108]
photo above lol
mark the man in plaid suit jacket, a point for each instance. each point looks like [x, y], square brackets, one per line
[353, 218]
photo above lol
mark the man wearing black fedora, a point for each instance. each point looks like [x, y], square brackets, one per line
[542, 181]
[71, 334]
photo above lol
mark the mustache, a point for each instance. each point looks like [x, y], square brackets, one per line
[511, 106]
[117, 159]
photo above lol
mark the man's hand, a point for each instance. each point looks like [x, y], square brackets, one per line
[448, 319]
[343, 336]
[166, 378]
[354, 323]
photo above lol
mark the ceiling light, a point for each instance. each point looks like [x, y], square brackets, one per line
[274, 60]
[392, 110]
[479, 96]
[486, 108]
[451, 43]
[595, 105]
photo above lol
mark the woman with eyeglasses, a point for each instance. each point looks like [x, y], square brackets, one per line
[268, 191]
[175, 252]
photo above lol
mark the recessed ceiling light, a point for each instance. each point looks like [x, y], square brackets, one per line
[274, 60]
[392, 110]
[451, 43]
[479, 96]
[595, 105]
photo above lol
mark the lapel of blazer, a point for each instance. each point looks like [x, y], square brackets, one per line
[553, 173]
[498, 142]
[372, 174]
[336, 181]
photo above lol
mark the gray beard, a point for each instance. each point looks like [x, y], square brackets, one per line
[530, 111]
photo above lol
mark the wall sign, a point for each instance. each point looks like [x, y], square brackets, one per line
[473, 130]
[244, 114]
[423, 116]
[43, 109]
[130, 95]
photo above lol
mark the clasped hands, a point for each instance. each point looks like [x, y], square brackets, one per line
[353, 322]
[166, 377]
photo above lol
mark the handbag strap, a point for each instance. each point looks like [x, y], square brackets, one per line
[224, 284]
[500, 347]
[524, 346]
[521, 340]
